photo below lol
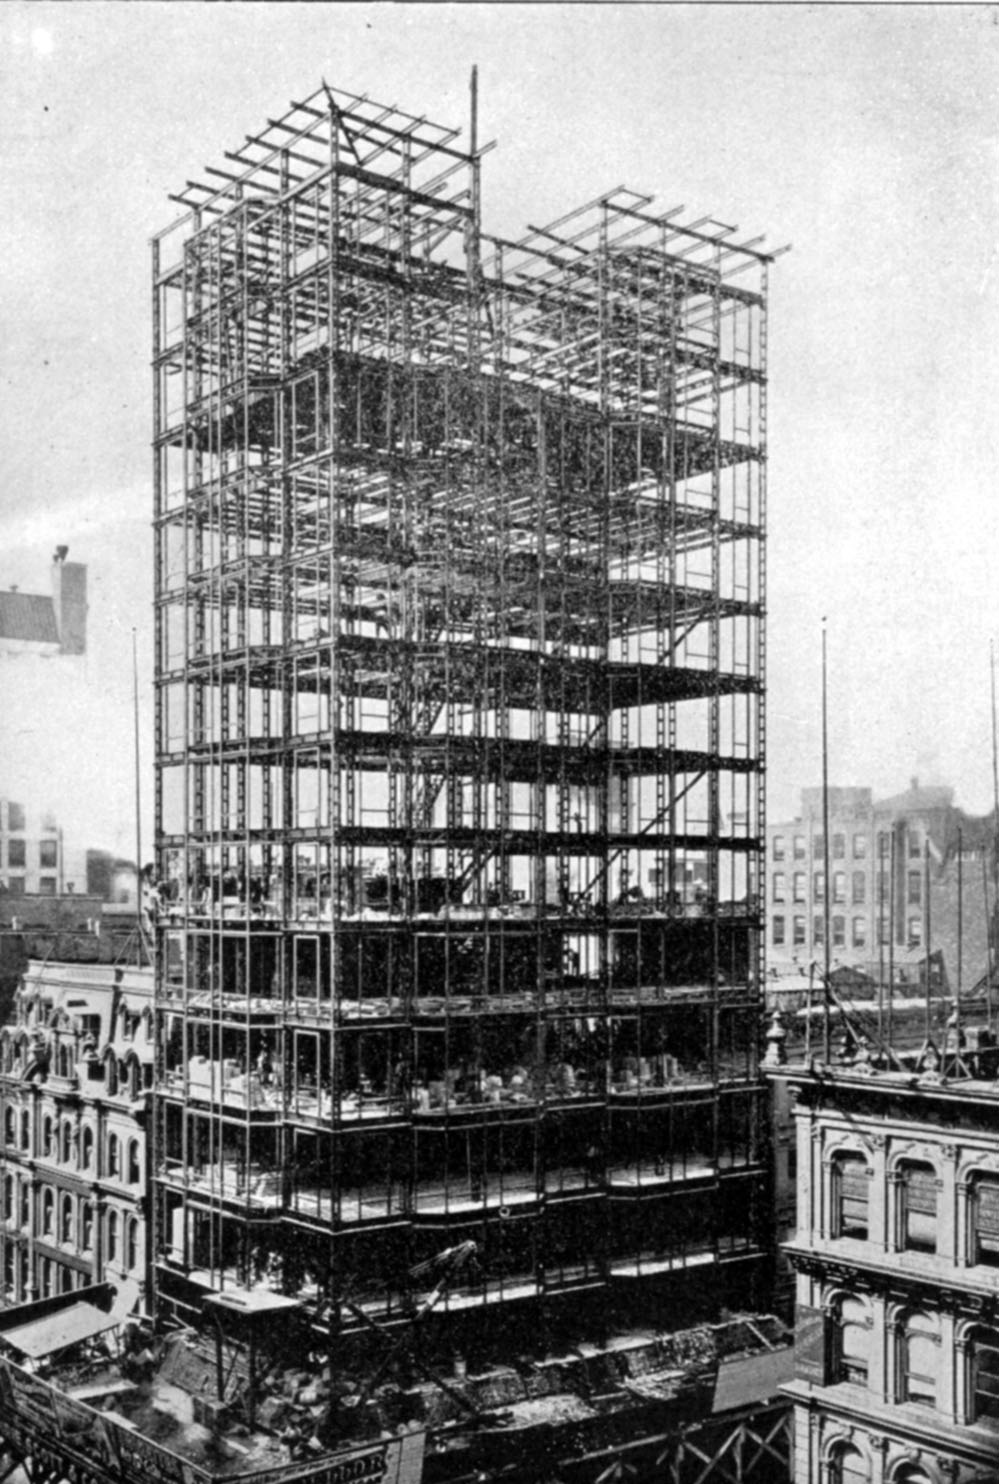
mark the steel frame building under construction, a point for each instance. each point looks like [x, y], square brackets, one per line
[460, 670]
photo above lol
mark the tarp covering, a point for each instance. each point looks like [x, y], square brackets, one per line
[745, 1379]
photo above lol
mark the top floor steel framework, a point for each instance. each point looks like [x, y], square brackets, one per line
[460, 672]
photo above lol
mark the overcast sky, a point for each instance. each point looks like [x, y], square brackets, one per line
[864, 136]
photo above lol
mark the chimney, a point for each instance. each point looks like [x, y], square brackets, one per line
[69, 599]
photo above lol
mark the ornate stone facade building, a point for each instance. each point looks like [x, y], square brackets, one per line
[75, 1071]
[897, 1259]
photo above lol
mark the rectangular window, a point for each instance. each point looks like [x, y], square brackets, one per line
[851, 1185]
[15, 885]
[884, 936]
[799, 886]
[778, 886]
[859, 888]
[839, 932]
[799, 847]
[15, 816]
[818, 847]
[799, 932]
[985, 1377]
[777, 932]
[47, 886]
[839, 886]
[48, 852]
[860, 847]
[985, 1207]
[915, 846]
[854, 1343]
[921, 1361]
[838, 847]
[883, 848]
[919, 1209]
[915, 932]
[819, 886]
[818, 931]
[860, 932]
[16, 853]
[914, 888]
[778, 847]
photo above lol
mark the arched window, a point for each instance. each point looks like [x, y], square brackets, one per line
[918, 1360]
[66, 1142]
[913, 1473]
[47, 1136]
[86, 1226]
[8, 1197]
[112, 1074]
[983, 1392]
[113, 1160]
[25, 1129]
[851, 1342]
[9, 1126]
[132, 1243]
[848, 1466]
[850, 1186]
[917, 1208]
[48, 1210]
[112, 1236]
[87, 1147]
[66, 1219]
[984, 1210]
[134, 1164]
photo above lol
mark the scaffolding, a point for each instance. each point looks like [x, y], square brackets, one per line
[460, 736]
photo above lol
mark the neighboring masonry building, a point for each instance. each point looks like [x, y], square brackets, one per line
[33, 623]
[893, 882]
[897, 1259]
[76, 1065]
[33, 861]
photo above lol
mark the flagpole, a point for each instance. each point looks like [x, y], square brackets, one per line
[138, 812]
[825, 850]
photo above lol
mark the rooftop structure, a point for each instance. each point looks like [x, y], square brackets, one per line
[34, 623]
[460, 743]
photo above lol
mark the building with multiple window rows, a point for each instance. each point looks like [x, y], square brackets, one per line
[460, 667]
[893, 887]
[76, 1064]
[897, 1259]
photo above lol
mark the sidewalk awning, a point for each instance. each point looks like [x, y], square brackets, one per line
[58, 1331]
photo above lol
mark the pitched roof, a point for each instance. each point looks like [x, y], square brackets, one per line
[27, 616]
[922, 796]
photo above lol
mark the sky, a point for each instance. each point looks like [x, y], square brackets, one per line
[864, 136]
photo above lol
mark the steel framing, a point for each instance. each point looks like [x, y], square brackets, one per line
[460, 735]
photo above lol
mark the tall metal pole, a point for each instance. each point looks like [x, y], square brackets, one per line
[825, 851]
[960, 941]
[138, 815]
[926, 933]
[989, 953]
[995, 824]
[891, 933]
[881, 938]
